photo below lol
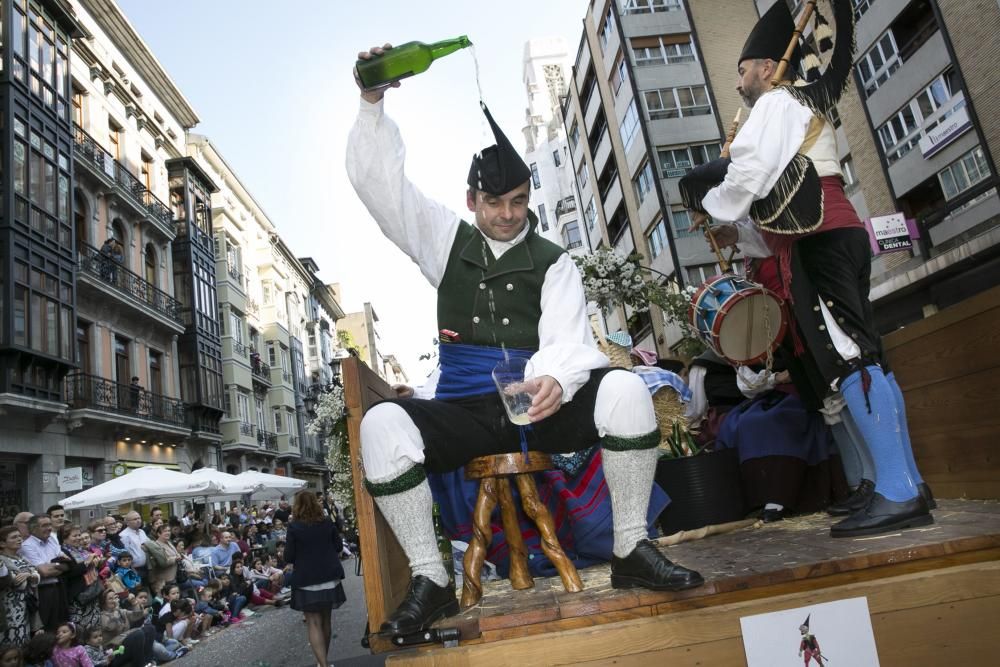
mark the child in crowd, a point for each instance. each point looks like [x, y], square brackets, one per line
[266, 575]
[11, 657]
[123, 570]
[235, 601]
[94, 645]
[217, 613]
[38, 650]
[67, 651]
[243, 584]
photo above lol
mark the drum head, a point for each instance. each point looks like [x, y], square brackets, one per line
[750, 327]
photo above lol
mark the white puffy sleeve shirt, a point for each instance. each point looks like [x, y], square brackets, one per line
[425, 230]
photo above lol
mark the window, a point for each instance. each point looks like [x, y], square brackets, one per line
[267, 292]
[272, 355]
[146, 171]
[574, 135]
[650, 6]
[115, 139]
[643, 182]
[278, 428]
[847, 168]
[629, 125]
[656, 239]
[879, 63]
[608, 29]
[556, 158]
[259, 407]
[618, 73]
[663, 50]
[861, 6]
[677, 102]
[78, 107]
[236, 326]
[583, 175]
[965, 172]
[543, 220]
[243, 406]
[590, 214]
[536, 182]
[618, 224]
[681, 223]
[675, 162]
[904, 129]
[571, 235]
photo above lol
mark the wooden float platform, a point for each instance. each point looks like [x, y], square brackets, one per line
[934, 595]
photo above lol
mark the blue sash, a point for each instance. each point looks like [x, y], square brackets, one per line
[466, 370]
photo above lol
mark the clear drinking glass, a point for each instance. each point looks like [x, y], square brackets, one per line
[508, 375]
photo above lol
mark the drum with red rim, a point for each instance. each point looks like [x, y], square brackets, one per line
[740, 320]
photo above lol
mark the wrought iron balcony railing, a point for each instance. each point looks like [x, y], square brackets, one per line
[267, 440]
[103, 267]
[260, 371]
[91, 391]
[241, 349]
[293, 441]
[246, 429]
[88, 150]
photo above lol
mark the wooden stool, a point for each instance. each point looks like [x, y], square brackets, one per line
[494, 485]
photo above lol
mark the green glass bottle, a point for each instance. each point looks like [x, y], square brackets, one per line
[444, 545]
[405, 60]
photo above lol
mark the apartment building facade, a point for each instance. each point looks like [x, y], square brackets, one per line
[93, 337]
[652, 95]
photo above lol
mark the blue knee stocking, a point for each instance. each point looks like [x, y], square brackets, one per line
[904, 429]
[877, 418]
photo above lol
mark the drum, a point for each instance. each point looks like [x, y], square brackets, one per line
[740, 320]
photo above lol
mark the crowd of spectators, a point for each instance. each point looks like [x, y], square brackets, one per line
[121, 592]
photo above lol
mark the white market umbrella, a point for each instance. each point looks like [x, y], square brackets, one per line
[143, 484]
[272, 486]
[230, 487]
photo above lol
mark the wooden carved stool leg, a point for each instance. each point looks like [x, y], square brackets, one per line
[482, 535]
[520, 577]
[535, 508]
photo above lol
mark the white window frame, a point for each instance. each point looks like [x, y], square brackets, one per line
[629, 126]
[608, 28]
[671, 95]
[643, 181]
[651, 6]
[890, 62]
[898, 140]
[590, 214]
[681, 167]
[657, 239]
[647, 56]
[681, 230]
[278, 426]
[972, 168]
[243, 406]
[583, 175]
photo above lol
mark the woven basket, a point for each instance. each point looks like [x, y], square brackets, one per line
[619, 355]
[669, 411]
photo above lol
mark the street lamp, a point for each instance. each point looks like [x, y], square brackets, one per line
[338, 357]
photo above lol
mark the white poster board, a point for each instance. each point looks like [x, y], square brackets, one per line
[841, 632]
[70, 479]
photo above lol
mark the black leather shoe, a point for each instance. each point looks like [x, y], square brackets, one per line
[883, 516]
[646, 567]
[858, 500]
[772, 515]
[425, 602]
[925, 492]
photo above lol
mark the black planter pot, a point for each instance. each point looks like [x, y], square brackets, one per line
[704, 490]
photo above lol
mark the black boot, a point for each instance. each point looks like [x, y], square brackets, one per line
[883, 516]
[858, 500]
[925, 492]
[646, 567]
[425, 602]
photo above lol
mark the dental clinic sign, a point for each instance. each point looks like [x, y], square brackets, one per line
[951, 128]
[889, 233]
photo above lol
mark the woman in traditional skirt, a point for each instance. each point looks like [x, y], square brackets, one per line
[313, 545]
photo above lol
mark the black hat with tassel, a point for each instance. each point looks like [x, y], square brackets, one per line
[499, 168]
[770, 37]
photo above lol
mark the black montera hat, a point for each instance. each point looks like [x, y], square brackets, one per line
[498, 169]
[770, 37]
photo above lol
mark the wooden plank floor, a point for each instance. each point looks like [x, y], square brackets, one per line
[786, 555]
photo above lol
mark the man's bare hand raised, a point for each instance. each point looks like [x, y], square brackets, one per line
[373, 95]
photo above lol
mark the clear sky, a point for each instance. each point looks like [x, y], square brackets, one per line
[272, 84]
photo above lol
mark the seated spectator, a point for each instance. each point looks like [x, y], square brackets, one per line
[11, 656]
[222, 555]
[190, 576]
[215, 611]
[128, 576]
[114, 547]
[93, 640]
[244, 584]
[233, 598]
[38, 651]
[68, 652]
[278, 532]
[115, 621]
[265, 574]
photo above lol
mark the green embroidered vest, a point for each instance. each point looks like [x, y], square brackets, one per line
[490, 301]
